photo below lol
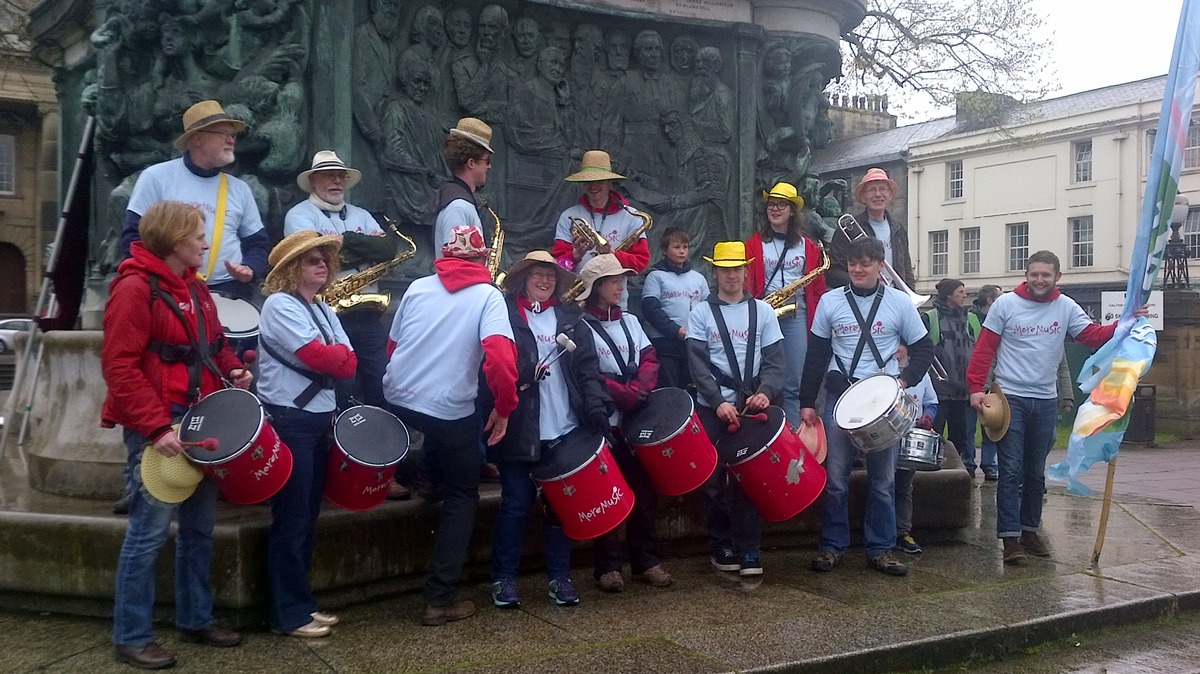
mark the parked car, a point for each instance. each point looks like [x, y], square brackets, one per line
[9, 327]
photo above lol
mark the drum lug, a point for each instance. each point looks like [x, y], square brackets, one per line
[569, 490]
[220, 473]
[603, 468]
[668, 452]
[774, 457]
[257, 454]
[345, 466]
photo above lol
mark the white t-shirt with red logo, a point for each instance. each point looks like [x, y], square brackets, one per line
[896, 321]
[702, 326]
[792, 260]
[608, 364]
[556, 417]
[1031, 342]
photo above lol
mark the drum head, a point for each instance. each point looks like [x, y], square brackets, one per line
[866, 400]
[751, 438]
[568, 456]
[233, 416]
[661, 417]
[371, 436]
[238, 316]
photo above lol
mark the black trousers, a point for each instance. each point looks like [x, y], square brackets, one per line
[641, 536]
[368, 336]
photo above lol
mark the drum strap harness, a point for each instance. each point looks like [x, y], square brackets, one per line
[317, 382]
[628, 369]
[864, 333]
[190, 354]
[743, 385]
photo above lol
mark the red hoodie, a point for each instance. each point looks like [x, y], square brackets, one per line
[985, 347]
[141, 387]
[756, 275]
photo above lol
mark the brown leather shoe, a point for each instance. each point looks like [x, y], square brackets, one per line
[150, 656]
[398, 492]
[611, 581]
[440, 615]
[655, 576]
[1033, 544]
[1014, 552]
[213, 635]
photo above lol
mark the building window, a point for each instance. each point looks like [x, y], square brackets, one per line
[8, 164]
[1082, 241]
[1191, 233]
[1081, 154]
[1018, 245]
[1191, 151]
[954, 180]
[939, 253]
[970, 250]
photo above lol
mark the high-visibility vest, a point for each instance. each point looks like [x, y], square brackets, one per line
[974, 327]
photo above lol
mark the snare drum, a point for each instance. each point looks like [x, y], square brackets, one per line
[921, 450]
[252, 463]
[875, 412]
[239, 317]
[772, 467]
[368, 443]
[667, 438]
[585, 488]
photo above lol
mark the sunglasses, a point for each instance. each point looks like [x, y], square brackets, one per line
[314, 260]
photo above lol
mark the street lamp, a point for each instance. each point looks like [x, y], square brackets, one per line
[1176, 259]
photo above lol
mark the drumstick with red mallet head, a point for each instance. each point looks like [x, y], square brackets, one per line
[211, 444]
[248, 359]
[733, 428]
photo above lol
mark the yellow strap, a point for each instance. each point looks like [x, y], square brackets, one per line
[218, 226]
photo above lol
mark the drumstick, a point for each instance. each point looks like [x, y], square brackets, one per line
[248, 359]
[211, 444]
[733, 428]
[543, 367]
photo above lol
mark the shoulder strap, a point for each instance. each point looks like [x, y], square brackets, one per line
[195, 364]
[214, 251]
[745, 378]
[627, 367]
[864, 330]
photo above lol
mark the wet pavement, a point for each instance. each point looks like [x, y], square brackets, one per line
[959, 604]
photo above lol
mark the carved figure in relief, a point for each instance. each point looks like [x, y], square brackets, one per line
[375, 56]
[635, 102]
[482, 83]
[710, 102]
[526, 38]
[459, 24]
[589, 87]
[411, 151]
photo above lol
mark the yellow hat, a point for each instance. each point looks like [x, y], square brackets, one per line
[596, 165]
[202, 115]
[729, 254]
[170, 479]
[786, 191]
[295, 245]
[995, 415]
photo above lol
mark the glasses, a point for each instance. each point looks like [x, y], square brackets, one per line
[314, 260]
[227, 135]
[777, 205]
[541, 275]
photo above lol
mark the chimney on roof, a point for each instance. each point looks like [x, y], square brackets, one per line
[981, 109]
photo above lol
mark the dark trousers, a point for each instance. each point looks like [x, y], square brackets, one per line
[452, 457]
[672, 363]
[641, 537]
[368, 336]
[732, 521]
[292, 536]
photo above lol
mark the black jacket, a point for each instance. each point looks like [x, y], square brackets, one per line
[585, 385]
[837, 275]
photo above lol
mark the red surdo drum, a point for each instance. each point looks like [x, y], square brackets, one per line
[251, 464]
[367, 444]
[772, 467]
[667, 438]
[585, 488]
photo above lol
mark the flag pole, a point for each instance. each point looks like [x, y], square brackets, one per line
[1104, 510]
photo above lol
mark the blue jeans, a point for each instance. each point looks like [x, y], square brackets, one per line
[146, 531]
[292, 537]
[879, 523]
[1022, 453]
[518, 493]
[795, 347]
[957, 420]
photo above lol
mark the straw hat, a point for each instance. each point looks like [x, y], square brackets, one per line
[170, 479]
[466, 242]
[295, 245]
[786, 191]
[601, 266]
[729, 254]
[873, 175]
[475, 131]
[516, 276]
[595, 165]
[814, 440]
[203, 115]
[995, 414]
[327, 160]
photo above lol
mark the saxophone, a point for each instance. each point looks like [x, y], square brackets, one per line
[783, 301]
[626, 243]
[497, 249]
[343, 294]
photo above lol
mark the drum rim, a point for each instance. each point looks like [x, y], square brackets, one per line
[237, 334]
[842, 397]
[407, 439]
[585, 464]
[691, 417]
[782, 426]
[262, 417]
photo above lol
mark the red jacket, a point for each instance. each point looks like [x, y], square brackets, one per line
[141, 387]
[756, 275]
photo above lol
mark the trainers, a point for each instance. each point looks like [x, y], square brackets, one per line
[1014, 552]
[504, 593]
[907, 543]
[311, 630]
[325, 618]
[887, 563]
[725, 560]
[825, 561]
[750, 565]
[990, 475]
[611, 581]
[1033, 544]
[655, 576]
[562, 591]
